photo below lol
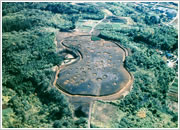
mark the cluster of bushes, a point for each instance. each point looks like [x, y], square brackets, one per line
[121, 9]
[150, 89]
[115, 36]
[95, 38]
[16, 23]
[161, 37]
[33, 18]
[85, 11]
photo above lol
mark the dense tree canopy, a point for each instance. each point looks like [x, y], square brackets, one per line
[28, 57]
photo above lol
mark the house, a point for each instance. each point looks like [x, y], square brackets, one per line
[168, 55]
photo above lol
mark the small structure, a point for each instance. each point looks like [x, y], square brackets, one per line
[158, 51]
[170, 63]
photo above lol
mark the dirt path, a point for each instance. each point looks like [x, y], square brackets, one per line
[90, 111]
[96, 25]
[109, 13]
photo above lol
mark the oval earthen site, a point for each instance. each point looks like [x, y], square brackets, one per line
[98, 71]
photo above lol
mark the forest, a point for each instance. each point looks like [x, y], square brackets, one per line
[29, 53]
[28, 56]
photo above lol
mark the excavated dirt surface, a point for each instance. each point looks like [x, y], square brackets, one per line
[98, 72]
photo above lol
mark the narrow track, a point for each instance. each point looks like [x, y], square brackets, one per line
[97, 24]
[90, 111]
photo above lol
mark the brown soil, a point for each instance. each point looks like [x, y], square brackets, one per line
[125, 87]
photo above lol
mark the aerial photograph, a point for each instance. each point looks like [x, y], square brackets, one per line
[89, 64]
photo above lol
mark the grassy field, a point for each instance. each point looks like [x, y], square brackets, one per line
[105, 115]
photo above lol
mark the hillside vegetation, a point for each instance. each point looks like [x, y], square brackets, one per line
[29, 54]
